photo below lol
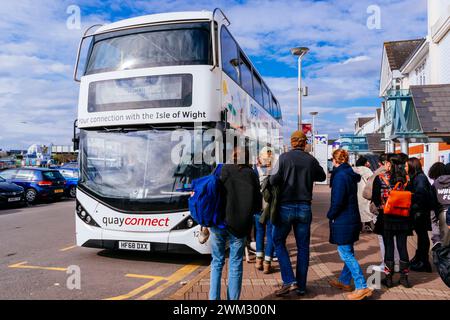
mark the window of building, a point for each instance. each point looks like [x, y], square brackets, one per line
[420, 74]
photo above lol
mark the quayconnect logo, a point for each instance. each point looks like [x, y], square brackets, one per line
[153, 222]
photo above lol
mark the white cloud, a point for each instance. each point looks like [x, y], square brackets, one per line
[356, 59]
[37, 53]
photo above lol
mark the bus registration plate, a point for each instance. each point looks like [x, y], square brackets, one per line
[131, 245]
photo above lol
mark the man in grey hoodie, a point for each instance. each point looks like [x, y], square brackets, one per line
[441, 191]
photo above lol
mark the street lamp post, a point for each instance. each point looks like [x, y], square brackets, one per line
[300, 52]
[313, 114]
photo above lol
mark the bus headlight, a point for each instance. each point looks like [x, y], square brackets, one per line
[186, 223]
[84, 215]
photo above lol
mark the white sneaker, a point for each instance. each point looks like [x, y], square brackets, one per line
[379, 268]
[203, 235]
[252, 246]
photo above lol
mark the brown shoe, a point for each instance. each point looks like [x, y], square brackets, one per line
[259, 263]
[267, 267]
[360, 294]
[285, 289]
[339, 285]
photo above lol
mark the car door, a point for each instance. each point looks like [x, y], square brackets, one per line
[8, 175]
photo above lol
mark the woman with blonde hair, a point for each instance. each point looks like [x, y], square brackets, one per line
[345, 225]
[263, 226]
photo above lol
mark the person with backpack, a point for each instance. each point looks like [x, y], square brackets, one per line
[420, 211]
[263, 227]
[395, 227]
[383, 167]
[345, 225]
[295, 174]
[440, 173]
[241, 199]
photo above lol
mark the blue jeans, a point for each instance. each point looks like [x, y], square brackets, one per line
[218, 240]
[261, 249]
[351, 268]
[297, 216]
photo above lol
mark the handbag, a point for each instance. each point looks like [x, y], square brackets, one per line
[399, 201]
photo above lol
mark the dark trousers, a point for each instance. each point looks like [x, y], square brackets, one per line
[423, 244]
[297, 217]
[402, 245]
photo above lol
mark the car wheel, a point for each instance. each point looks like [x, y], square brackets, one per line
[31, 195]
[73, 192]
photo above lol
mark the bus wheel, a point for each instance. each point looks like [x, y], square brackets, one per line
[30, 195]
[73, 192]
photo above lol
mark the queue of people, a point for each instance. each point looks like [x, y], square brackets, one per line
[394, 200]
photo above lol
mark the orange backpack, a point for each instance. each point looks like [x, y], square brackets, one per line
[399, 200]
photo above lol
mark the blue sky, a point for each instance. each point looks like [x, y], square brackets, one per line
[38, 98]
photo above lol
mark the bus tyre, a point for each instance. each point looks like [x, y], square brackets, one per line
[31, 195]
[73, 192]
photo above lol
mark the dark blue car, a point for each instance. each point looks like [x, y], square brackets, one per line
[38, 183]
[71, 175]
[10, 194]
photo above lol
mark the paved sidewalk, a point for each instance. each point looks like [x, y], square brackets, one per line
[324, 265]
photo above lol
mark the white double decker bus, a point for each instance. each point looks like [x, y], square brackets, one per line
[142, 80]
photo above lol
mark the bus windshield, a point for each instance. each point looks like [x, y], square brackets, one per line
[155, 46]
[135, 171]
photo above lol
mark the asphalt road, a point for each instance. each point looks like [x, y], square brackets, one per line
[39, 260]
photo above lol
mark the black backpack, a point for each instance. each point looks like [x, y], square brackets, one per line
[441, 258]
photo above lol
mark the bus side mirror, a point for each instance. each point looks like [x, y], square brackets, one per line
[76, 136]
[76, 143]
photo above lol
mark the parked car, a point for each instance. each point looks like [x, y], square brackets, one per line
[71, 176]
[70, 165]
[10, 193]
[38, 183]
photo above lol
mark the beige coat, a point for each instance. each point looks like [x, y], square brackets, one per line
[364, 205]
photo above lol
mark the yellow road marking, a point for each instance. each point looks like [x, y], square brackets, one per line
[135, 291]
[143, 276]
[22, 265]
[171, 280]
[67, 248]
[177, 276]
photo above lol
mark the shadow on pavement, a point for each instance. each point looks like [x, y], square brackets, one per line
[161, 257]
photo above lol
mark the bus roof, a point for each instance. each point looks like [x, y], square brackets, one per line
[156, 18]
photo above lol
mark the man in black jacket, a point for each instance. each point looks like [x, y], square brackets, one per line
[241, 199]
[295, 173]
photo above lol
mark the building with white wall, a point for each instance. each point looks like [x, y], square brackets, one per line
[415, 85]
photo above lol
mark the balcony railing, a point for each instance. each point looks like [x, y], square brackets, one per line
[398, 93]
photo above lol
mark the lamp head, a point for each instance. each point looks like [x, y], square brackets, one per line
[299, 51]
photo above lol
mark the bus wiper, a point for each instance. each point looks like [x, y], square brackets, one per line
[121, 129]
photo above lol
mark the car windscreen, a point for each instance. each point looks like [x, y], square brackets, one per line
[52, 175]
[69, 173]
